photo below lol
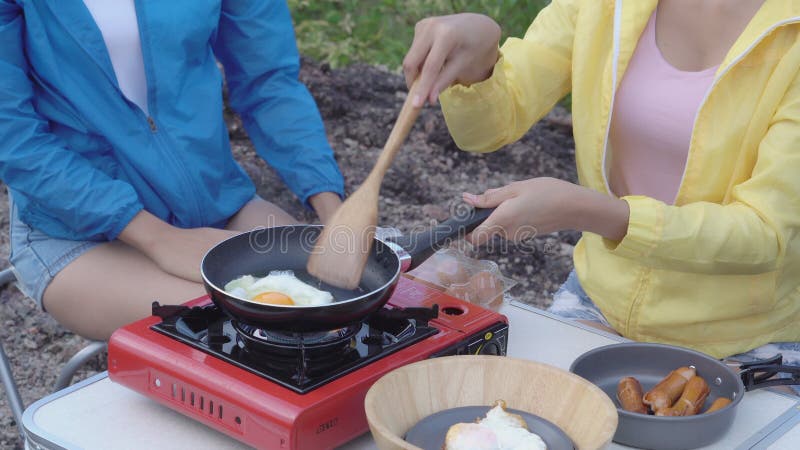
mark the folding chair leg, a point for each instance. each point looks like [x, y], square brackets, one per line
[6, 276]
[76, 362]
[12, 393]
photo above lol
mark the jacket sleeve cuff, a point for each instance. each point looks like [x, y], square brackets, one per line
[483, 104]
[645, 228]
[460, 96]
[122, 219]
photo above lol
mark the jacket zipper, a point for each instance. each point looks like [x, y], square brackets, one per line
[615, 67]
[151, 122]
[149, 119]
[641, 287]
[719, 76]
[165, 149]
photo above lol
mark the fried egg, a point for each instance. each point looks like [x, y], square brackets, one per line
[499, 430]
[280, 287]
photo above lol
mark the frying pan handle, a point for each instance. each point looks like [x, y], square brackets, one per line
[760, 374]
[420, 246]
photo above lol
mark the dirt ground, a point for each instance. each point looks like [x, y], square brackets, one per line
[359, 105]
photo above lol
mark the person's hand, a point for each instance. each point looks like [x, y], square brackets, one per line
[325, 204]
[461, 48]
[177, 251]
[544, 205]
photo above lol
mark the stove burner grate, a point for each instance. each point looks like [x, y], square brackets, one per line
[298, 361]
[283, 339]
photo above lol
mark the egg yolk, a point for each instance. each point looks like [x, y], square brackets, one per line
[273, 298]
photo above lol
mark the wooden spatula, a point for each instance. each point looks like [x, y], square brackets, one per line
[341, 251]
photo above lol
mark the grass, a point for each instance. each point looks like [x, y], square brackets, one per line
[341, 32]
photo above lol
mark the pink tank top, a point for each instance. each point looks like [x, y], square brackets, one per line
[651, 125]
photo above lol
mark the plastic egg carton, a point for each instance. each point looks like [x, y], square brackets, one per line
[476, 281]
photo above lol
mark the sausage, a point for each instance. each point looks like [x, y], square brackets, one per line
[664, 394]
[719, 403]
[692, 399]
[629, 394]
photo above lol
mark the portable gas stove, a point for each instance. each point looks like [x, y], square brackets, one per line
[291, 391]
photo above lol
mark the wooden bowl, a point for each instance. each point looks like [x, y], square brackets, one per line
[404, 396]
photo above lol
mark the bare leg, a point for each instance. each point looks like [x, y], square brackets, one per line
[109, 286]
[599, 326]
[114, 284]
[259, 213]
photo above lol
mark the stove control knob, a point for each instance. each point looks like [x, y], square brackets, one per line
[490, 348]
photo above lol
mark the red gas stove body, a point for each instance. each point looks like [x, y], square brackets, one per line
[267, 415]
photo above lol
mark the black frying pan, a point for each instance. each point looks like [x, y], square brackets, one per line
[287, 248]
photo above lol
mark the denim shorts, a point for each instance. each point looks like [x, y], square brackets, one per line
[36, 257]
[572, 302]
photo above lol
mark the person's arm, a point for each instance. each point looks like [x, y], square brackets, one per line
[543, 205]
[177, 251]
[748, 234]
[530, 77]
[325, 204]
[255, 43]
[73, 199]
[65, 187]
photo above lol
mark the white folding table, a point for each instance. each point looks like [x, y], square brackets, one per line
[99, 414]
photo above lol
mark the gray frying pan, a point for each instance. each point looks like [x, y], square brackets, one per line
[649, 363]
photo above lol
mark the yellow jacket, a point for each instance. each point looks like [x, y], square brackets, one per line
[720, 270]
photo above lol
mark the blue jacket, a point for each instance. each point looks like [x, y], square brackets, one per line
[81, 160]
